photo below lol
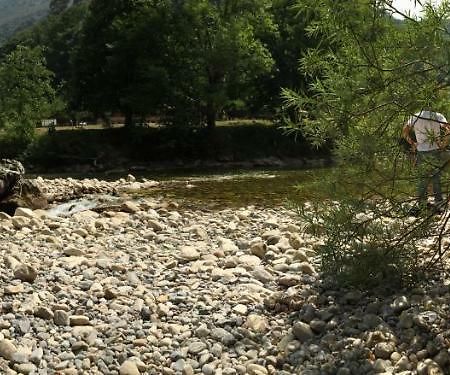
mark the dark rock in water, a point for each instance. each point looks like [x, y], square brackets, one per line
[15, 191]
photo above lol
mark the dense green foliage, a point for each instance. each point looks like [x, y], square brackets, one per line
[119, 64]
[188, 62]
[26, 94]
[370, 73]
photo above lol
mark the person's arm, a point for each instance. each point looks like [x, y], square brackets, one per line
[406, 133]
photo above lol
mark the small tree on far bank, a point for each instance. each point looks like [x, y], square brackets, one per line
[26, 94]
[371, 72]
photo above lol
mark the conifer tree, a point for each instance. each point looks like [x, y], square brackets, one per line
[373, 69]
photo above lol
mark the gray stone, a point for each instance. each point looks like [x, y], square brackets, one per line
[196, 347]
[61, 318]
[405, 320]
[249, 261]
[202, 331]
[425, 319]
[217, 350]
[44, 313]
[36, 356]
[429, 367]
[384, 350]
[258, 248]
[302, 331]
[380, 365]
[189, 253]
[73, 251]
[129, 368]
[301, 256]
[20, 222]
[208, 369]
[26, 212]
[129, 207]
[179, 365]
[21, 356]
[262, 275]
[155, 225]
[296, 241]
[14, 289]
[372, 320]
[78, 320]
[289, 280]
[317, 326]
[400, 304]
[402, 364]
[307, 268]
[442, 358]
[223, 336]
[110, 293]
[257, 323]
[25, 368]
[24, 325]
[25, 272]
[188, 370]
[79, 346]
[255, 369]
[7, 349]
[240, 309]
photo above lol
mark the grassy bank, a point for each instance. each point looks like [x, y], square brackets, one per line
[109, 148]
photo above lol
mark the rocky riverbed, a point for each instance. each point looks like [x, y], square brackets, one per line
[151, 287]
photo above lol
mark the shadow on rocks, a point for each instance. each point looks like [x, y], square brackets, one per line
[347, 331]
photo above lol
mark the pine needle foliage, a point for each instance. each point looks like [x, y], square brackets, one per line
[370, 72]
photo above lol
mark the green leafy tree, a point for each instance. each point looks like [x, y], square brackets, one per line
[217, 53]
[26, 94]
[184, 59]
[58, 36]
[119, 65]
[369, 74]
[287, 46]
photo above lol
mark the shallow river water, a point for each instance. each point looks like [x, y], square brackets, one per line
[207, 190]
[260, 188]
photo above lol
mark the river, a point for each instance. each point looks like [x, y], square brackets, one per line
[266, 188]
[201, 189]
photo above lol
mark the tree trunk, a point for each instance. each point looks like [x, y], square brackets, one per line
[128, 118]
[210, 115]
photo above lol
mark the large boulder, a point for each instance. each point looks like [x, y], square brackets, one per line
[11, 173]
[15, 190]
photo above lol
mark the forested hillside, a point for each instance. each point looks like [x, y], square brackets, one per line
[19, 14]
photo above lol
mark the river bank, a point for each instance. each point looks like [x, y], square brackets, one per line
[146, 286]
[137, 149]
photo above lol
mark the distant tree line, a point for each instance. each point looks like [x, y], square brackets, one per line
[188, 62]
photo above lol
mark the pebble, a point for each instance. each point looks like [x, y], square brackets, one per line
[129, 368]
[25, 272]
[61, 318]
[254, 369]
[7, 349]
[78, 320]
[196, 347]
[302, 331]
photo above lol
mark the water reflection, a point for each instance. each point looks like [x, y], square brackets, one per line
[262, 188]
